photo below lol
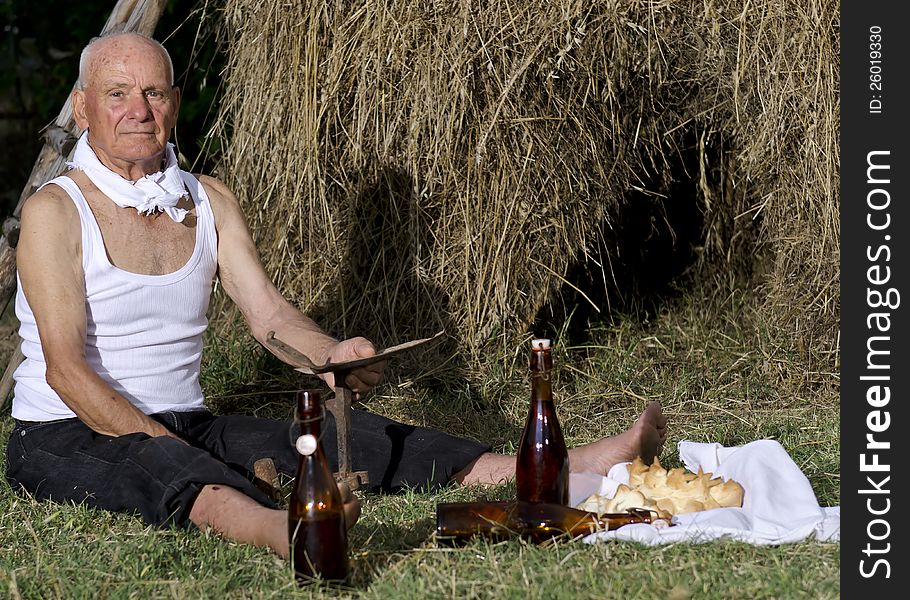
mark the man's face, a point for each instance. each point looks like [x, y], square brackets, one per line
[128, 105]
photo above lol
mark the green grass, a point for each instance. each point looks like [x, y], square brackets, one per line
[720, 375]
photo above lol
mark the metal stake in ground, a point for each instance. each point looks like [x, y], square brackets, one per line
[339, 406]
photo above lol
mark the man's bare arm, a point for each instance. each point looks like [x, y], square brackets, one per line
[264, 308]
[49, 261]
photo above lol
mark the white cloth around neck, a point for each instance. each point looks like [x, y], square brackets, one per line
[159, 191]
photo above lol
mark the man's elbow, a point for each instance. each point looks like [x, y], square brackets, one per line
[266, 319]
[259, 328]
[61, 376]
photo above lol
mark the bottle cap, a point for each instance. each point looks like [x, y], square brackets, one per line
[540, 343]
[306, 444]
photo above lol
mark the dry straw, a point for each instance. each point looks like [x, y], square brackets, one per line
[411, 165]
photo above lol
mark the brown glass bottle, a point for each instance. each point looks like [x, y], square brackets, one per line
[537, 521]
[542, 464]
[316, 525]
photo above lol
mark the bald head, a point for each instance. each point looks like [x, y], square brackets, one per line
[127, 101]
[105, 42]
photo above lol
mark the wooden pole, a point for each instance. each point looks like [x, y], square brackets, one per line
[60, 138]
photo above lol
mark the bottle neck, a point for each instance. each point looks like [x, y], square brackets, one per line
[541, 360]
[541, 387]
[545, 520]
[310, 424]
[310, 414]
[541, 365]
[612, 521]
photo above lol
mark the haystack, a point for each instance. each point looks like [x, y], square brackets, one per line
[409, 165]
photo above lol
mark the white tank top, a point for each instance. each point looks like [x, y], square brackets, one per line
[143, 332]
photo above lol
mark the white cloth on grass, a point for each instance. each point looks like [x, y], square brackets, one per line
[779, 506]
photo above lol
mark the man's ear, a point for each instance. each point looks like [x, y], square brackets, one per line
[176, 92]
[78, 100]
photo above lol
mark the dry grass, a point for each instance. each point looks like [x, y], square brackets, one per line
[409, 166]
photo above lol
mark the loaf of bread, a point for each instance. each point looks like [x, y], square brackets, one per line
[667, 493]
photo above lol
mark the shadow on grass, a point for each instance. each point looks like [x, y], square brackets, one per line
[375, 550]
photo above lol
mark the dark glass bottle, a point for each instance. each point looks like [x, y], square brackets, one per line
[542, 464]
[316, 525]
[537, 521]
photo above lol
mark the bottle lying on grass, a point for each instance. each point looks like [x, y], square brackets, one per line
[538, 522]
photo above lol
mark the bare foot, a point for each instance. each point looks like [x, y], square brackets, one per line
[233, 515]
[645, 438]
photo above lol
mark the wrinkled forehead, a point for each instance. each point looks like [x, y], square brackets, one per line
[128, 57]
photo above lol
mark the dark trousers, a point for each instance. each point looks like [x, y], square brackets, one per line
[159, 477]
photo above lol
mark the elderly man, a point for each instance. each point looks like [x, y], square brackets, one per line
[116, 264]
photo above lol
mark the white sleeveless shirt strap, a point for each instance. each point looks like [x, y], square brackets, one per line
[208, 230]
[91, 236]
